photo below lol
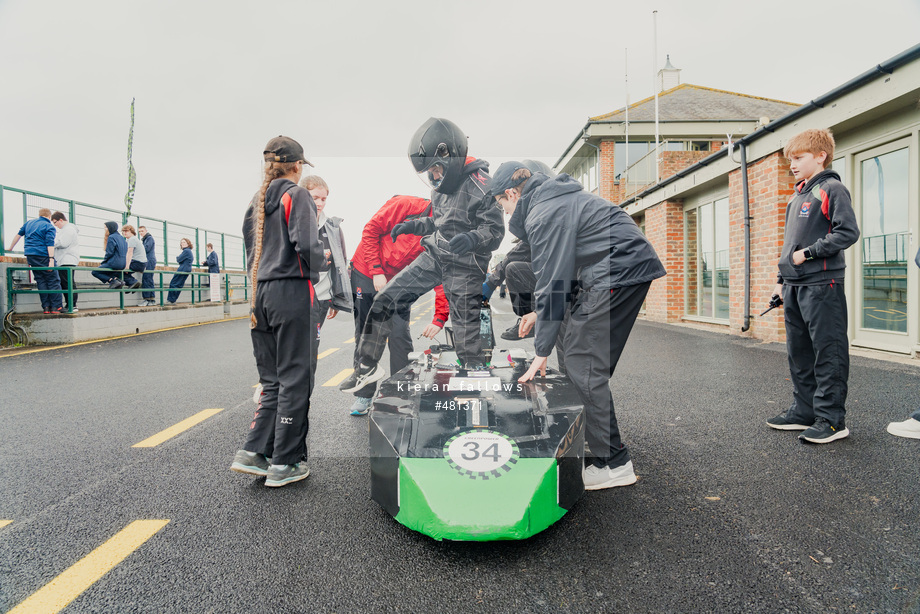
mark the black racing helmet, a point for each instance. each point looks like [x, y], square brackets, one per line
[536, 166]
[437, 151]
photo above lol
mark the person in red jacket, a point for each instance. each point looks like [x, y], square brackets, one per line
[376, 260]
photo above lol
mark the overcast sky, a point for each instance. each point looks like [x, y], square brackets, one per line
[351, 81]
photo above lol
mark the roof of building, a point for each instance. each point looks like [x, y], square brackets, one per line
[687, 102]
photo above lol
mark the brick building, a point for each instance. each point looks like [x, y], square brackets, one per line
[695, 217]
[616, 158]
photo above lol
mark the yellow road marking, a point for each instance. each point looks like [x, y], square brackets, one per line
[414, 321]
[327, 352]
[174, 430]
[149, 332]
[339, 377]
[3, 523]
[54, 596]
[352, 340]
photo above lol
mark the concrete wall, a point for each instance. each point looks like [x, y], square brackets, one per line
[103, 324]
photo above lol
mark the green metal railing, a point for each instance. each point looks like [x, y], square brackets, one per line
[230, 283]
[89, 220]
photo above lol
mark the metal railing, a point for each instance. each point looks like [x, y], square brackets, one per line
[230, 283]
[18, 206]
[880, 249]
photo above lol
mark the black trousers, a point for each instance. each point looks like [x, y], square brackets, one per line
[64, 274]
[462, 279]
[598, 328]
[317, 319]
[46, 280]
[399, 341]
[282, 344]
[818, 351]
[136, 266]
[522, 283]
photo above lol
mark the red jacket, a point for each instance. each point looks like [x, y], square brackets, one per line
[378, 254]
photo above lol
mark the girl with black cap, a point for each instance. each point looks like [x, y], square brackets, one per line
[284, 256]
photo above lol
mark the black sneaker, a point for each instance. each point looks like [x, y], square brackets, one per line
[349, 381]
[782, 423]
[823, 432]
[366, 375]
[279, 475]
[511, 333]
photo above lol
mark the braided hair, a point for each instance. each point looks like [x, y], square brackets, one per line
[273, 170]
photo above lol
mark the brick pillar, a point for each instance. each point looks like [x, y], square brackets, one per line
[664, 227]
[608, 191]
[770, 186]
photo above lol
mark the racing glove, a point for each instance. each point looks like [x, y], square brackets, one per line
[409, 227]
[463, 243]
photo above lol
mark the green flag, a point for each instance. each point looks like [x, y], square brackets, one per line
[132, 176]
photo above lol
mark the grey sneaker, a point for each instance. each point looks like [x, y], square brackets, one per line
[366, 375]
[249, 462]
[361, 406]
[823, 431]
[280, 475]
[598, 478]
[782, 423]
[116, 283]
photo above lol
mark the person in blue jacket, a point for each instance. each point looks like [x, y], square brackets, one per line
[116, 251]
[150, 246]
[212, 261]
[185, 259]
[39, 252]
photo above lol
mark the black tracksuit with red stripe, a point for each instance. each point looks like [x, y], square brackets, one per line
[281, 341]
[819, 217]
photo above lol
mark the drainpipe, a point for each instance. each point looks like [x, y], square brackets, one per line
[597, 167]
[747, 239]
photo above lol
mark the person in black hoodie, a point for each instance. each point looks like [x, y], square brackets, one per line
[284, 256]
[459, 237]
[587, 253]
[820, 224]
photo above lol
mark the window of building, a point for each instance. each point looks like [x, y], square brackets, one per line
[706, 234]
[885, 239]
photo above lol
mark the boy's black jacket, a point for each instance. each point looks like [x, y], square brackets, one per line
[290, 242]
[820, 217]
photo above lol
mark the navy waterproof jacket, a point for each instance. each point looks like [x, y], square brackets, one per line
[116, 250]
[578, 239]
[39, 236]
[150, 246]
[185, 259]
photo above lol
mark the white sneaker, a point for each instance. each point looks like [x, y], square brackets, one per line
[909, 428]
[598, 478]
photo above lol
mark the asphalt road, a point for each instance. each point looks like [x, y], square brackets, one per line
[728, 515]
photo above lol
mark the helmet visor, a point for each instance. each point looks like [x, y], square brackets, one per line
[433, 175]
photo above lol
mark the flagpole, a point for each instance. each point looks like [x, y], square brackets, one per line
[655, 81]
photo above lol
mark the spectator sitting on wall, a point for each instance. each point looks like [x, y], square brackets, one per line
[185, 259]
[66, 253]
[150, 247]
[39, 252]
[116, 250]
[137, 256]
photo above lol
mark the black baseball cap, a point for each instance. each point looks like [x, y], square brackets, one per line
[284, 149]
[502, 181]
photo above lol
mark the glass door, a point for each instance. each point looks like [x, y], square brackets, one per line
[882, 197]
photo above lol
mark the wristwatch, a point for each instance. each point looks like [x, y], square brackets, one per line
[808, 254]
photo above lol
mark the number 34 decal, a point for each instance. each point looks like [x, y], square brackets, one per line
[481, 454]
